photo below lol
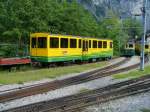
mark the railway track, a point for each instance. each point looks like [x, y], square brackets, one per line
[73, 103]
[66, 82]
[45, 87]
[91, 72]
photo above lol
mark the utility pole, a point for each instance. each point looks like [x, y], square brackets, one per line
[121, 28]
[143, 39]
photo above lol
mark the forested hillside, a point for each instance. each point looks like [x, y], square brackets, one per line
[19, 18]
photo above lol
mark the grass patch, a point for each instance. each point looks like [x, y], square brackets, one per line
[133, 74]
[82, 90]
[145, 110]
[32, 75]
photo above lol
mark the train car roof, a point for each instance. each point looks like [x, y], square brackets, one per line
[146, 42]
[68, 36]
[130, 42]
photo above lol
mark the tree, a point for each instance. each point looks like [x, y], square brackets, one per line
[132, 27]
[110, 27]
[49, 16]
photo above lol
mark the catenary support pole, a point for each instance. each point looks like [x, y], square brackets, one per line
[143, 39]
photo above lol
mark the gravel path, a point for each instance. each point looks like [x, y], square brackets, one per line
[128, 104]
[133, 60]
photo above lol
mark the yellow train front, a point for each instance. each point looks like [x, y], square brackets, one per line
[146, 48]
[52, 48]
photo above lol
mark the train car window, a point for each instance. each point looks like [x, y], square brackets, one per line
[33, 42]
[94, 44]
[89, 43]
[54, 42]
[42, 42]
[64, 42]
[73, 43]
[130, 45]
[146, 46]
[111, 45]
[99, 44]
[104, 44]
[79, 43]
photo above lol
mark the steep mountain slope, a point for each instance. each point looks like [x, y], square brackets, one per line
[123, 8]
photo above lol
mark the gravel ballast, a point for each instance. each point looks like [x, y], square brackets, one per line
[128, 104]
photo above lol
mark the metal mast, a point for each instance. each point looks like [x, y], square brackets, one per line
[143, 39]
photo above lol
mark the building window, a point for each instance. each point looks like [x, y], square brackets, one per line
[111, 45]
[94, 44]
[33, 42]
[54, 42]
[79, 43]
[99, 44]
[73, 43]
[42, 42]
[64, 42]
[89, 43]
[104, 44]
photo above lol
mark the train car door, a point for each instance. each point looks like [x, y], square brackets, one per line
[33, 46]
[85, 48]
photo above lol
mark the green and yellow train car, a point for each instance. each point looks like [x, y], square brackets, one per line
[129, 49]
[146, 49]
[49, 48]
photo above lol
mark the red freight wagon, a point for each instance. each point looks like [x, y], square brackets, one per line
[14, 61]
